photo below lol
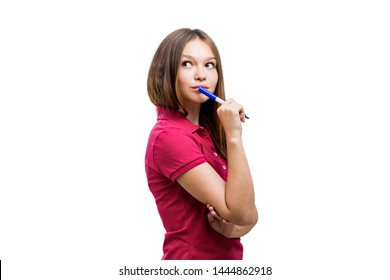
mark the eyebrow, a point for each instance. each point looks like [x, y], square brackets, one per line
[191, 57]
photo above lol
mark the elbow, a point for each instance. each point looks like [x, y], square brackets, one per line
[249, 218]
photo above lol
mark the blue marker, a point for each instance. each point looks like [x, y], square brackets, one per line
[213, 97]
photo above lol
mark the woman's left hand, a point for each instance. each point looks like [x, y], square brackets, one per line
[218, 223]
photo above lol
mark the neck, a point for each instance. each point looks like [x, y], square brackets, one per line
[193, 114]
[194, 118]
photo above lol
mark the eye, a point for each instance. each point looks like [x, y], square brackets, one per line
[186, 63]
[210, 65]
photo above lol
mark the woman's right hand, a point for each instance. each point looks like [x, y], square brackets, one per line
[231, 115]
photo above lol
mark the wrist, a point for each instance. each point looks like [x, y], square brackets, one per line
[233, 138]
[233, 141]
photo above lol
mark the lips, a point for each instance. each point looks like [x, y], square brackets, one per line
[198, 86]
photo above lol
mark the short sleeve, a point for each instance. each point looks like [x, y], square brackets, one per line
[175, 152]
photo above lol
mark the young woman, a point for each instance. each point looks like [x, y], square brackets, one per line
[205, 205]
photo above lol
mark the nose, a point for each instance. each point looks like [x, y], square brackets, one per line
[200, 74]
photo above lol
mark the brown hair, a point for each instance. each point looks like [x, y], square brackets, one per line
[163, 86]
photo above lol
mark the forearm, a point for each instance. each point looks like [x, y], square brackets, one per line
[240, 197]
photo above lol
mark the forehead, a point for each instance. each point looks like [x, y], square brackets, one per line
[198, 48]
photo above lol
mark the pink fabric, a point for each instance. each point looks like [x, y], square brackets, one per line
[175, 146]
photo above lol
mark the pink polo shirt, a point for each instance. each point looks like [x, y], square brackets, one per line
[175, 146]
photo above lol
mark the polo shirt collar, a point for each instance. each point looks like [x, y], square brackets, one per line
[176, 116]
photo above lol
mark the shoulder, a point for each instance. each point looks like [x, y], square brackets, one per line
[173, 150]
[168, 132]
[175, 139]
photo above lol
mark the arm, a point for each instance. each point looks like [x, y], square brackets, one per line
[224, 227]
[234, 199]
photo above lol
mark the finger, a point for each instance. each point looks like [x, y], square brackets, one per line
[210, 218]
[215, 215]
[230, 100]
[242, 116]
[213, 212]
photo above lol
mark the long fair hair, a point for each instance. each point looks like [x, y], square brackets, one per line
[163, 83]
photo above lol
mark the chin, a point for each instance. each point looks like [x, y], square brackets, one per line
[203, 99]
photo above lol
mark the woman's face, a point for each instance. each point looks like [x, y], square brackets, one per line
[197, 69]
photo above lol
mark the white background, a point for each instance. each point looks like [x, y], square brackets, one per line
[75, 117]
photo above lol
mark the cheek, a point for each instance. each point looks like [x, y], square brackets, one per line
[183, 77]
[214, 78]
